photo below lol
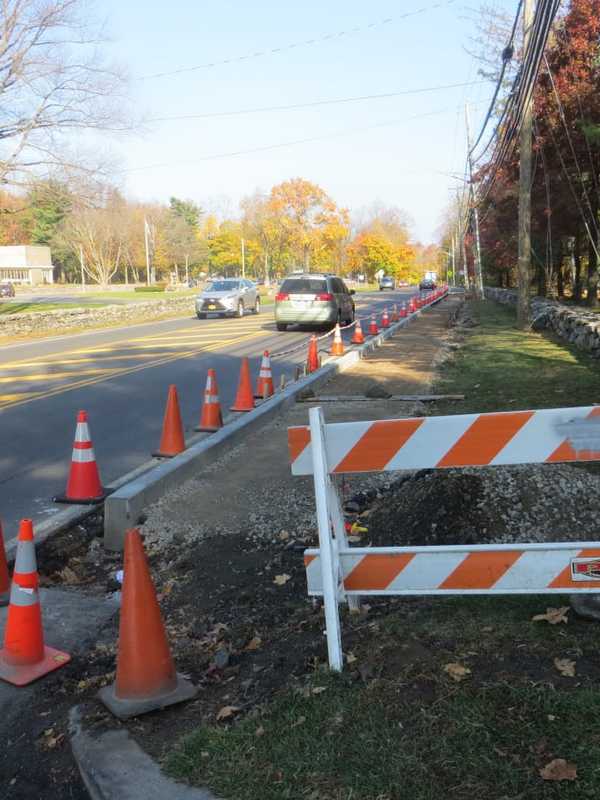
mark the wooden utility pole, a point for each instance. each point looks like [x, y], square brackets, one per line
[525, 158]
[478, 277]
[243, 258]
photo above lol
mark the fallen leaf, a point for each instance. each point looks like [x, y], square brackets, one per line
[457, 671]
[565, 666]
[281, 580]
[53, 741]
[68, 575]
[551, 717]
[487, 629]
[559, 770]
[319, 689]
[299, 721]
[254, 643]
[260, 731]
[226, 712]
[351, 658]
[552, 615]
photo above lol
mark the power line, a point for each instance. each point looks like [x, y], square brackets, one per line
[280, 145]
[313, 103]
[305, 43]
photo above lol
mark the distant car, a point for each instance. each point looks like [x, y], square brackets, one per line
[7, 290]
[427, 285]
[229, 297]
[313, 299]
[387, 282]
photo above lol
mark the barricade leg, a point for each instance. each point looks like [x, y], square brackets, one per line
[339, 529]
[328, 550]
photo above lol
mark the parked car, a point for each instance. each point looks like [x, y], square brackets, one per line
[7, 290]
[387, 282]
[313, 299]
[229, 297]
[427, 285]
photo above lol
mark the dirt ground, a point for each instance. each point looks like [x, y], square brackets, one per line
[226, 555]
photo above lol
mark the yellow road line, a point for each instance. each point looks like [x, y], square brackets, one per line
[51, 376]
[168, 359]
[8, 398]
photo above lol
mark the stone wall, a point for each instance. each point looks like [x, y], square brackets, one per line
[574, 324]
[77, 317]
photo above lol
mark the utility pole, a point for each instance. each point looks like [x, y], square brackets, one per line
[82, 268]
[147, 251]
[452, 248]
[525, 158]
[478, 282]
[243, 258]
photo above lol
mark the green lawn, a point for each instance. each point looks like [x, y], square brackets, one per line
[500, 368]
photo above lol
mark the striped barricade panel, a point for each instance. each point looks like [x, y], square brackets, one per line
[571, 567]
[512, 437]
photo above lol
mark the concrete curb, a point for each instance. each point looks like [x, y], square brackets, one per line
[114, 767]
[122, 509]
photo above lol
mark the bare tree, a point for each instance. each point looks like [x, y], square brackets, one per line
[53, 81]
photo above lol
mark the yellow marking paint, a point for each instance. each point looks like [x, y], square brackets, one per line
[9, 398]
[51, 376]
[128, 371]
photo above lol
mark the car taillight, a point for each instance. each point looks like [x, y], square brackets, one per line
[279, 298]
[324, 297]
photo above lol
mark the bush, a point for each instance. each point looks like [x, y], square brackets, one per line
[155, 287]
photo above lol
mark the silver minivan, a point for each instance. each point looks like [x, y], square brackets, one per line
[313, 299]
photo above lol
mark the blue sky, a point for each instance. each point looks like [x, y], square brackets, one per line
[392, 158]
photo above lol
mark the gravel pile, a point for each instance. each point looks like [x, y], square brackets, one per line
[530, 503]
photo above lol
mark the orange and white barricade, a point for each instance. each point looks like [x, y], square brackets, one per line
[339, 572]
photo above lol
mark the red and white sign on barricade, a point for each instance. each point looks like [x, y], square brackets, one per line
[339, 572]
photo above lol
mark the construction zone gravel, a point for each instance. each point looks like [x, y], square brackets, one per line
[225, 550]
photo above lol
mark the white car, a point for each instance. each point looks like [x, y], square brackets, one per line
[228, 297]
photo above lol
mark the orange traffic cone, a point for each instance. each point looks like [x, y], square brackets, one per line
[244, 400]
[394, 317]
[264, 385]
[83, 485]
[358, 337]
[24, 657]
[211, 418]
[337, 346]
[312, 362]
[385, 320]
[146, 679]
[403, 311]
[373, 329]
[4, 580]
[172, 441]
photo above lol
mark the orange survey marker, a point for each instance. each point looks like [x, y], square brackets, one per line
[264, 385]
[172, 441]
[358, 337]
[337, 346]
[312, 362]
[373, 329]
[244, 400]
[212, 418]
[83, 485]
[24, 657]
[4, 579]
[146, 679]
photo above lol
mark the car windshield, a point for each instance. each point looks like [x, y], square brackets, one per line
[304, 286]
[223, 286]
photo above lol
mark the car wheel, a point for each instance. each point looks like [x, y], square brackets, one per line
[201, 316]
[381, 288]
[240, 309]
[281, 326]
[257, 306]
[350, 320]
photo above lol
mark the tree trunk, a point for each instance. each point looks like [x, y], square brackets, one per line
[592, 277]
[577, 270]
[560, 282]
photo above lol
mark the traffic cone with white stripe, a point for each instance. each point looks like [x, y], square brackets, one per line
[24, 657]
[358, 337]
[264, 385]
[172, 441]
[337, 346]
[373, 329]
[83, 485]
[403, 311]
[385, 320]
[4, 580]
[394, 317]
[146, 679]
[312, 362]
[211, 418]
[244, 399]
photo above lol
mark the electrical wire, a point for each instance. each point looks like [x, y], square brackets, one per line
[305, 43]
[313, 104]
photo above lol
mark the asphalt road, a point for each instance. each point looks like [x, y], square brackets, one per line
[120, 377]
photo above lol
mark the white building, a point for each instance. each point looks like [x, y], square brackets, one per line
[27, 264]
